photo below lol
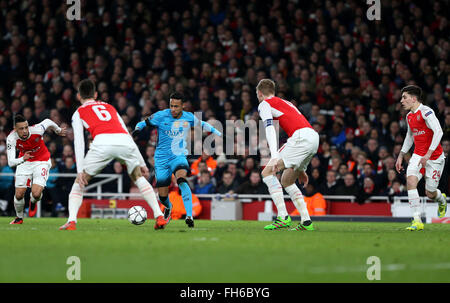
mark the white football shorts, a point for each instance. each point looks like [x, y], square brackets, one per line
[99, 155]
[299, 149]
[32, 172]
[433, 171]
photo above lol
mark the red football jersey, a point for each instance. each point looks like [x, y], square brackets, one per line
[290, 118]
[100, 118]
[421, 133]
[34, 143]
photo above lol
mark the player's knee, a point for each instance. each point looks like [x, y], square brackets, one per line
[181, 180]
[266, 172]
[19, 196]
[135, 174]
[285, 183]
[36, 194]
[411, 183]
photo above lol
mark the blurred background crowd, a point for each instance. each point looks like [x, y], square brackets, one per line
[343, 71]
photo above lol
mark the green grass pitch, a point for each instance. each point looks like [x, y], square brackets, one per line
[221, 251]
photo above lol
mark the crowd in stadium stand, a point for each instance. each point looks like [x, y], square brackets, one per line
[343, 71]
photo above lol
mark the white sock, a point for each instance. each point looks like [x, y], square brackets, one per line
[414, 203]
[75, 201]
[297, 197]
[276, 192]
[33, 200]
[149, 195]
[19, 205]
[439, 197]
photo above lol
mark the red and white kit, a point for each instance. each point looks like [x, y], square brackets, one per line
[34, 170]
[111, 139]
[425, 132]
[303, 140]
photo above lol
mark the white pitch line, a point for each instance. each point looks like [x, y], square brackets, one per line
[387, 267]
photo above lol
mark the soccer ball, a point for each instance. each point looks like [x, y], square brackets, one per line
[137, 215]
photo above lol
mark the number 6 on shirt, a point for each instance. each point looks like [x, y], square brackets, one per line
[101, 112]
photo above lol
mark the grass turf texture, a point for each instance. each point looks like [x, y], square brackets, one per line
[221, 251]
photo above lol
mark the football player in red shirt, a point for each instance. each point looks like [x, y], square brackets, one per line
[424, 130]
[110, 140]
[33, 163]
[292, 158]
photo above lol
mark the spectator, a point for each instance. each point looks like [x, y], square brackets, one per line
[370, 187]
[236, 173]
[372, 150]
[6, 186]
[211, 164]
[369, 172]
[204, 184]
[254, 185]
[249, 166]
[53, 195]
[228, 185]
[315, 202]
[316, 178]
[65, 183]
[343, 169]
[178, 210]
[329, 187]
[396, 189]
[349, 188]
[117, 168]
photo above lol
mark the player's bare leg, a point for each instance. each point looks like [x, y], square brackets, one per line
[288, 181]
[35, 197]
[276, 192]
[19, 204]
[414, 202]
[75, 200]
[149, 195]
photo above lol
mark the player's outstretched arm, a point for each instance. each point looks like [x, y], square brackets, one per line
[49, 124]
[149, 121]
[209, 128]
[205, 125]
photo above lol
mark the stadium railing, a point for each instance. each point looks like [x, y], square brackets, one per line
[97, 185]
[98, 194]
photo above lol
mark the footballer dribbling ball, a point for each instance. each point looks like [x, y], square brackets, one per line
[137, 215]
